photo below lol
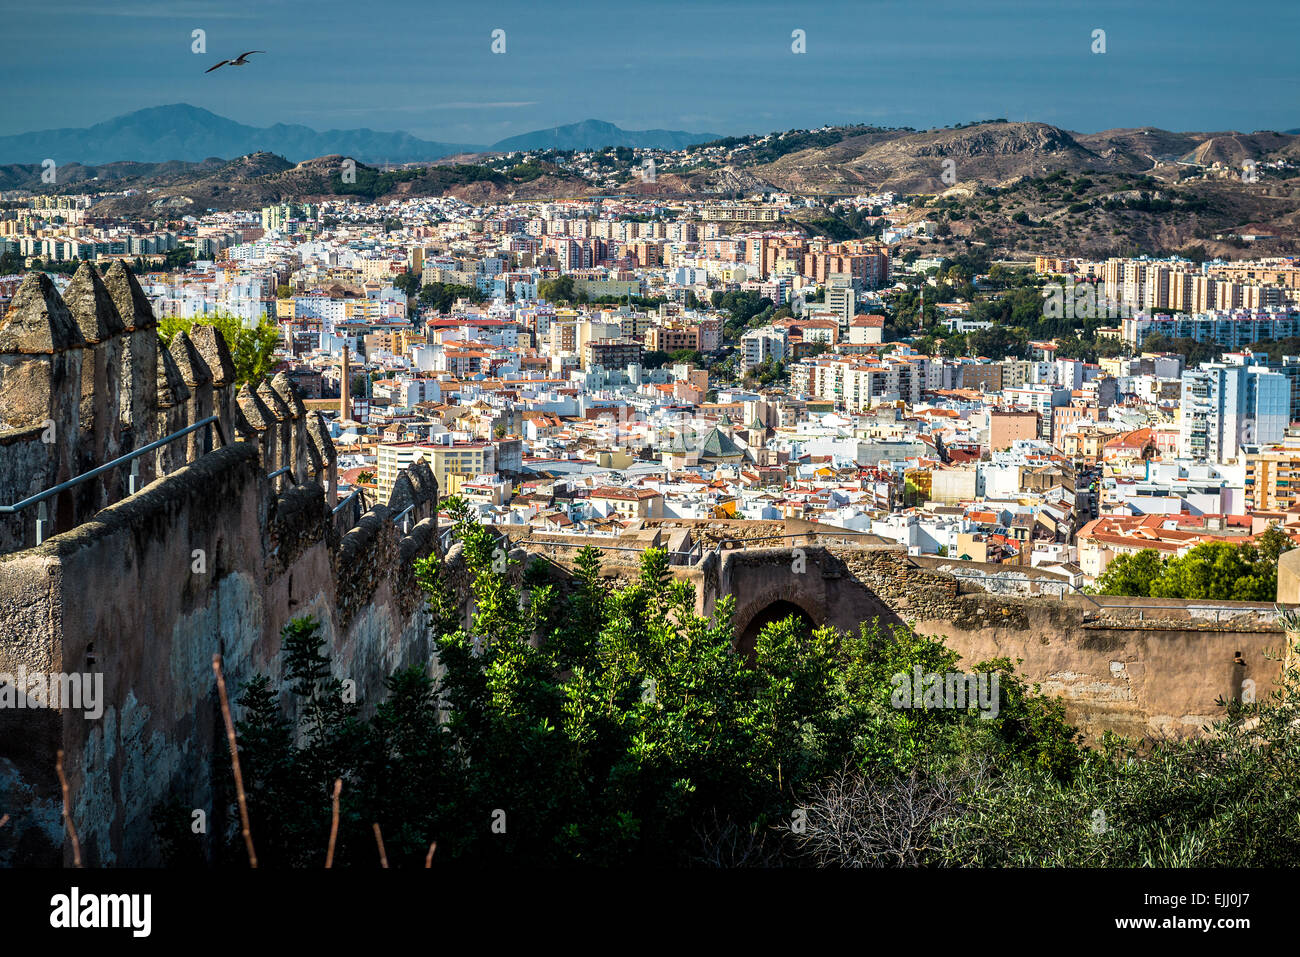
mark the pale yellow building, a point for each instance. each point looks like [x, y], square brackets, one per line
[452, 465]
[1273, 481]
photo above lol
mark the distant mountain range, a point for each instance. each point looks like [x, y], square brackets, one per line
[191, 134]
[1013, 187]
[188, 133]
[597, 134]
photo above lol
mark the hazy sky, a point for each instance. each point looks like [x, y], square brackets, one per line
[426, 66]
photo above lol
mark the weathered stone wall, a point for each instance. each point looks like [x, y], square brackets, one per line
[1156, 675]
[87, 377]
[26, 463]
[1288, 577]
[204, 560]
[998, 579]
[807, 577]
[1138, 667]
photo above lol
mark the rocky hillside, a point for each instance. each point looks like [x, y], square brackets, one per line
[1012, 187]
[998, 153]
[261, 179]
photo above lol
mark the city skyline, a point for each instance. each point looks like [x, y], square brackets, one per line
[659, 65]
[586, 438]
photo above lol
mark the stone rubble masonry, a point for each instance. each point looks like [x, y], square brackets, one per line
[88, 299]
[85, 379]
[207, 556]
[215, 353]
[41, 353]
[297, 412]
[281, 426]
[325, 453]
[121, 594]
[198, 381]
[1136, 667]
[173, 411]
[260, 421]
[138, 390]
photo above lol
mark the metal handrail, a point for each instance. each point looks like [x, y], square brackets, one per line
[401, 515]
[121, 459]
[355, 492]
[344, 504]
[283, 470]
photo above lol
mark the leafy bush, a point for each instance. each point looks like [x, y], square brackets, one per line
[1217, 571]
[605, 726]
[578, 723]
[251, 347]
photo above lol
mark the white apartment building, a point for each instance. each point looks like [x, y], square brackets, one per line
[1225, 406]
[759, 345]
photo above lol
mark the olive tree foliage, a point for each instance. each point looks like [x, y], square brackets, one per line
[1216, 571]
[578, 722]
[1228, 799]
[252, 347]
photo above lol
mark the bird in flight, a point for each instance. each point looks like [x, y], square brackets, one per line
[241, 60]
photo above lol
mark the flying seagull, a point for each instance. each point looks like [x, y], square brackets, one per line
[241, 60]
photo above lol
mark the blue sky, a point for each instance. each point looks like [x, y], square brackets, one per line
[426, 66]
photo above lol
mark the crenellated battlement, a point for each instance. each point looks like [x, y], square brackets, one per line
[153, 512]
[85, 380]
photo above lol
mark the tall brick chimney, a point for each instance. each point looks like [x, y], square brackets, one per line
[345, 388]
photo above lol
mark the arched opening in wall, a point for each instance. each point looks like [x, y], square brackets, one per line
[776, 611]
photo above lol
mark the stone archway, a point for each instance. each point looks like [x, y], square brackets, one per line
[764, 614]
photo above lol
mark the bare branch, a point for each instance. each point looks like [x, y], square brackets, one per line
[853, 821]
[67, 809]
[379, 839]
[234, 758]
[334, 824]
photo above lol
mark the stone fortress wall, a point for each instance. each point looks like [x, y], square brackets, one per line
[1145, 668]
[215, 552]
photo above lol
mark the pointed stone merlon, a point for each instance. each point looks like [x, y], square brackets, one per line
[241, 429]
[138, 382]
[315, 463]
[298, 444]
[425, 487]
[402, 497]
[173, 411]
[214, 349]
[281, 432]
[100, 440]
[416, 489]
[41, 353]
[198, 380]
[319, 433]
[260, 422]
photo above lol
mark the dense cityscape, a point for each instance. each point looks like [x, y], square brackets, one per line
[868, 441]
[576, 365]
